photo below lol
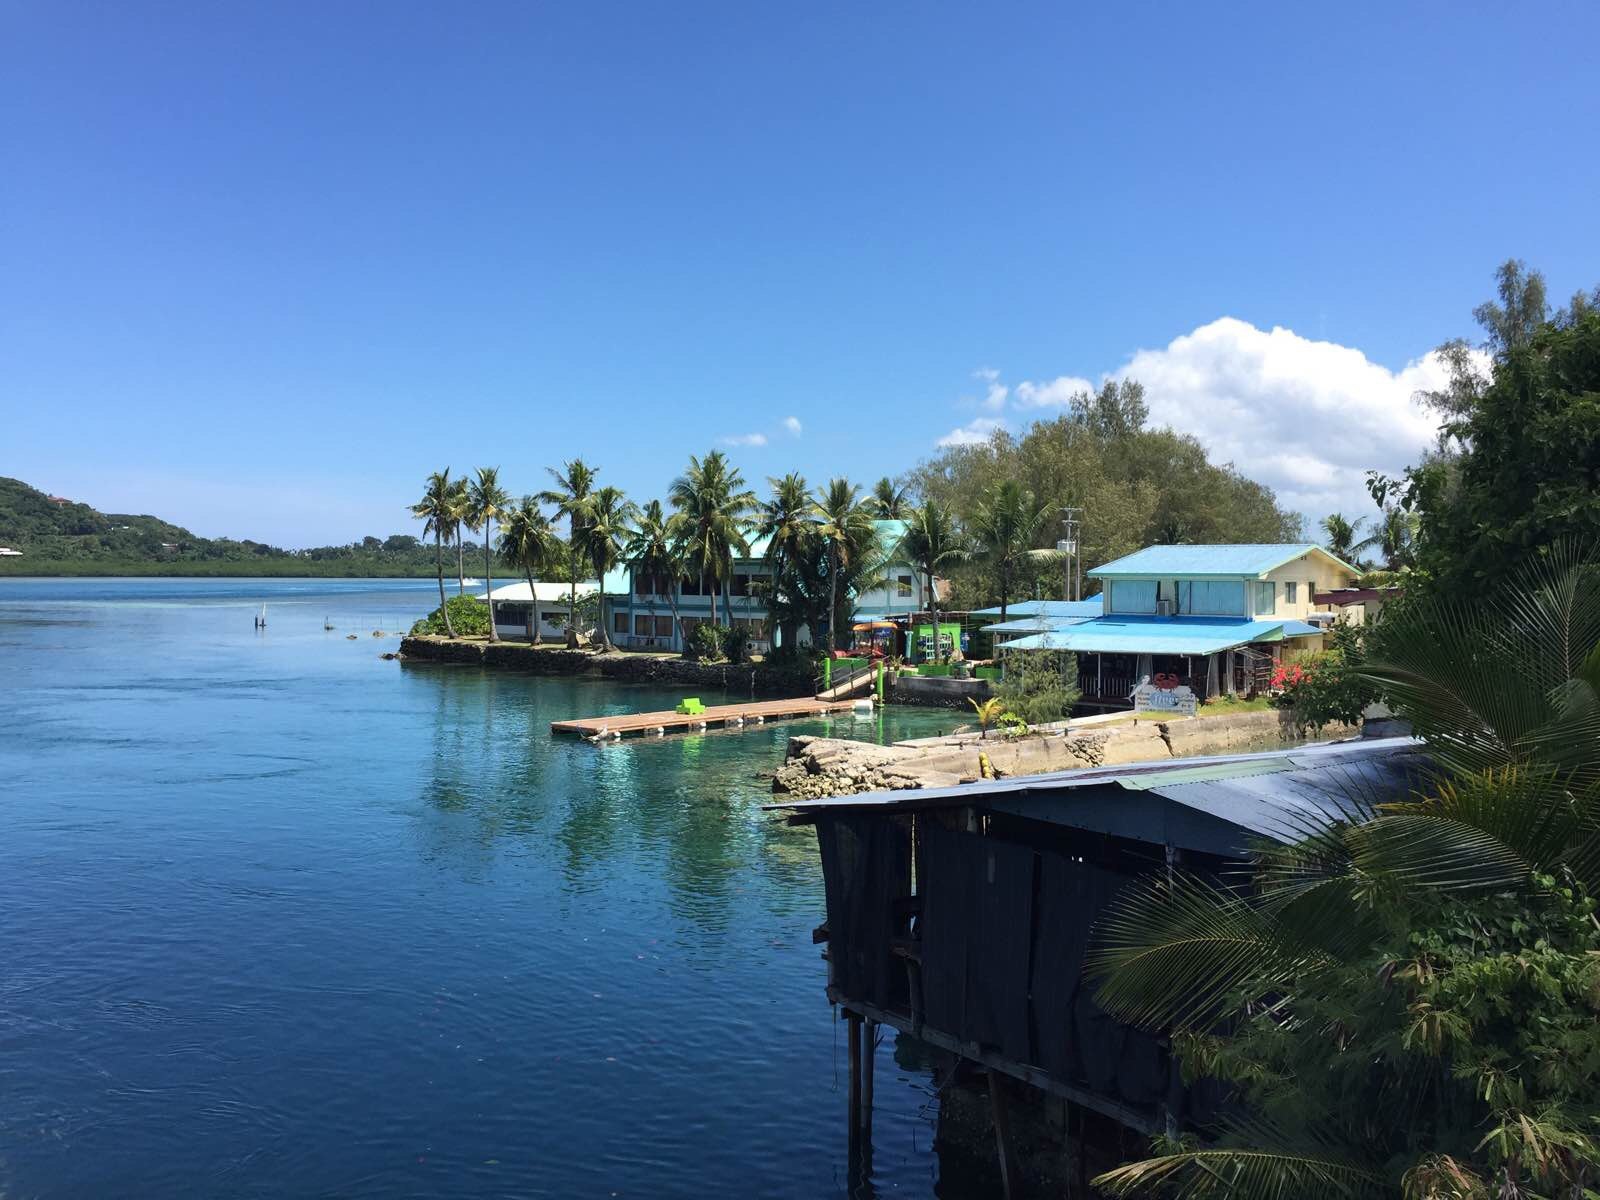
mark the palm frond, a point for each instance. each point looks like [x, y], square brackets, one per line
[1240, 1174]
[1175, 956]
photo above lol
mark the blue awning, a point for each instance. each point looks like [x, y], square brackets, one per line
[1160, 635]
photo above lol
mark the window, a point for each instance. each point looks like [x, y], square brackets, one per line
[741, 585]
[619, 622]
[1133, 596]
[663, 627]
[641, 625]
[690, 587]
[1290, 592]
[1266, 598]
[1211, 597]
[903, 586]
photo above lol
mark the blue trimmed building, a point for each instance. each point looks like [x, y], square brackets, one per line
[1217, 618]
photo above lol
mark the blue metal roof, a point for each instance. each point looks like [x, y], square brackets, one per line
[1209, 562]
[1161, 635]
[1046, 608]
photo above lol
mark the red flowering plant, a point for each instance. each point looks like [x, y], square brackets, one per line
[1326, 687]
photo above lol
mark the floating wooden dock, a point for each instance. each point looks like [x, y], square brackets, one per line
[756, 712]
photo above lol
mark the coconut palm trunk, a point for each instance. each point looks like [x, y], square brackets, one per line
[833, 597]
[533, 610]
[438, 559]
[488, 576]
[461, 564]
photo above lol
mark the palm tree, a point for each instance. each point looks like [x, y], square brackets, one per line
[458, 515]
[1005, 527]
[610, 514]
[988, 712]
[571, 496]
[888, 502]
[1341, 534]
[1328, 961]
[436, 508]
[528, 540]
[654, 552]
[790, 529]
[845, 525]
[712, 501]
[486, 500]
[933, 541]
[1393, 536]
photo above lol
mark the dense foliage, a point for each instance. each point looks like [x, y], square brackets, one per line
[1519, 459]
[69, 538]
[1326, 687]
[1406, 1003]
[1039, 686]
[467, 618]
[1138, 486]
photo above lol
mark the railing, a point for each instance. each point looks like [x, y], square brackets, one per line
[844, 680]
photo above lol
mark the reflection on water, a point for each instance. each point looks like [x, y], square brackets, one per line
[281, 917]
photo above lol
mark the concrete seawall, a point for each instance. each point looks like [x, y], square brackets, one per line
[741, 678]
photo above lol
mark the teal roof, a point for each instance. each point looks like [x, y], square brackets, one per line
[1210, 562]
[1160, 635]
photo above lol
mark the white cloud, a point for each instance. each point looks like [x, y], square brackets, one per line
[1056, 393]
[792, 424]
[1307, 418]
[744, 439]
[972, 433]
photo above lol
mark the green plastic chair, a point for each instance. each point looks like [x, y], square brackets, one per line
[691, 707]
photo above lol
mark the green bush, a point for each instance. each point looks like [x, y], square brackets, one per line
[1039, 686]
[467, 616]
[707, 643]
[1325, 687]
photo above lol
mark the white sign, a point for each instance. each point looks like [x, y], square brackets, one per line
[1147, 697]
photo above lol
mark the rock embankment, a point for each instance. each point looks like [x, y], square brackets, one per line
[817, 766]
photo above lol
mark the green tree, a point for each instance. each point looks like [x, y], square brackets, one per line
[889, 502]
[787, 523]
[1393, 536]
[1525, 475]
[528, 540]
[486, 500]
[608, 525]
[934, 543]
[1005, 527]
[845, 526]
[712, 502]
[1340, 534]
[572, 497]
[655, 552]
[436, 508]
[1406, 1001]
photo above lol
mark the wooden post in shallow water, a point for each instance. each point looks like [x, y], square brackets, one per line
[855, 1075]
[869, 1057]
[1002, 1135]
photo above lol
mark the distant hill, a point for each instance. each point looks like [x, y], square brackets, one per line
[59, 536]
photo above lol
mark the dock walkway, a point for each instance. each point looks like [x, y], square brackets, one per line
[755, 712]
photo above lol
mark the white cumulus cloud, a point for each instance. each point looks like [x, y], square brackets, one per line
[1307, 418]
[792, 424]
[972, 433]
[744, 439]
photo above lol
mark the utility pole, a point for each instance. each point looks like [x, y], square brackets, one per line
[1068, 547]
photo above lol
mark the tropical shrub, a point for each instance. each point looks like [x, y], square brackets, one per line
[469, 618]
[708, 643]
[1039, 687]
[1326, 687]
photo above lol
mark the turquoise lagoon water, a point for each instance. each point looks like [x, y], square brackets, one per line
[278, 917]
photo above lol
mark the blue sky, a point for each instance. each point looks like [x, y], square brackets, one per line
[264, 266]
